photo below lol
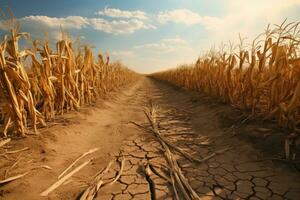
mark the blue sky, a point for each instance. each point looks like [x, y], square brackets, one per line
[152, 35]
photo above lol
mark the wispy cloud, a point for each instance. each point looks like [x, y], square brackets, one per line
[117, 13]
[45, 23]
[119, 26]
[70, 22]
[185, 16]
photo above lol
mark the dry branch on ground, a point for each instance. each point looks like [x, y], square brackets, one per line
[98, 183]
[64, 179]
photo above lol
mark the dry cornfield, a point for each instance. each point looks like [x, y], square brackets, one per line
[39, 83]
[99, 130]
[265, 80]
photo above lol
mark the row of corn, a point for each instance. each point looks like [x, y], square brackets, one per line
[39, 83]
[263, 77]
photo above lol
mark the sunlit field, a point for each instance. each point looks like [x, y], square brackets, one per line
[135, 100]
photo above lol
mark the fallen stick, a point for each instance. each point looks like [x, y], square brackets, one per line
[174, 168]
[174, 186]
[140, 126]
[184, 153]
[63, 179]
[118, 175]
[80, 157]
[11, 167]
[16, 151]
[92, 190]
[13, 178]
[3, 142]
[46, 167]
[104, 171]
[179, 181]
[181, 151]
[161, 175]
[148, 172]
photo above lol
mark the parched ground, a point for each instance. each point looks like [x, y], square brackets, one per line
[195, 123]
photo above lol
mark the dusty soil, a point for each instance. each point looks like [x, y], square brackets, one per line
[194, 122]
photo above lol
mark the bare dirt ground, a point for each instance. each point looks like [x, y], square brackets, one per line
[195, 123]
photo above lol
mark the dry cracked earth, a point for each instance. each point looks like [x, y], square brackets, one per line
[189, 121]
[240, 173]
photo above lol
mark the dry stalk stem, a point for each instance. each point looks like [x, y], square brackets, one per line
[11, 167]
[98, 183]
[75, 161]
[264, 79]
[12, 178]
[179, 182]
[92, 190]
[15, 151]
[39, 83]
[4, 142]
[63, 179]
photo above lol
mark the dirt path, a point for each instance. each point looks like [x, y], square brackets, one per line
[191, 124]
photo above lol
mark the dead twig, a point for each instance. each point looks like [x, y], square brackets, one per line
[75, 161]
[12, 178]
[98, 183]
[118, 175]
[161, 175]
[15, 151]
[63, 179]
[47, 167]
[11, 167]
[179, 183]
[184, 153]
[92, 190]
[3, 142]
[148, 172]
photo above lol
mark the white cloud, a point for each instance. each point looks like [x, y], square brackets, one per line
[187, 17]
[46, 24]
[249, 18]
[183, 16]
[117, 13]
[120, 26]
[70, 22]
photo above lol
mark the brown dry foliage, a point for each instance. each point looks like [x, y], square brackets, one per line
[52, 82]
[264, 79]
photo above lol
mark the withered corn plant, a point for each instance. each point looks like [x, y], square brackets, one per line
[264, 79]
[39, 83]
